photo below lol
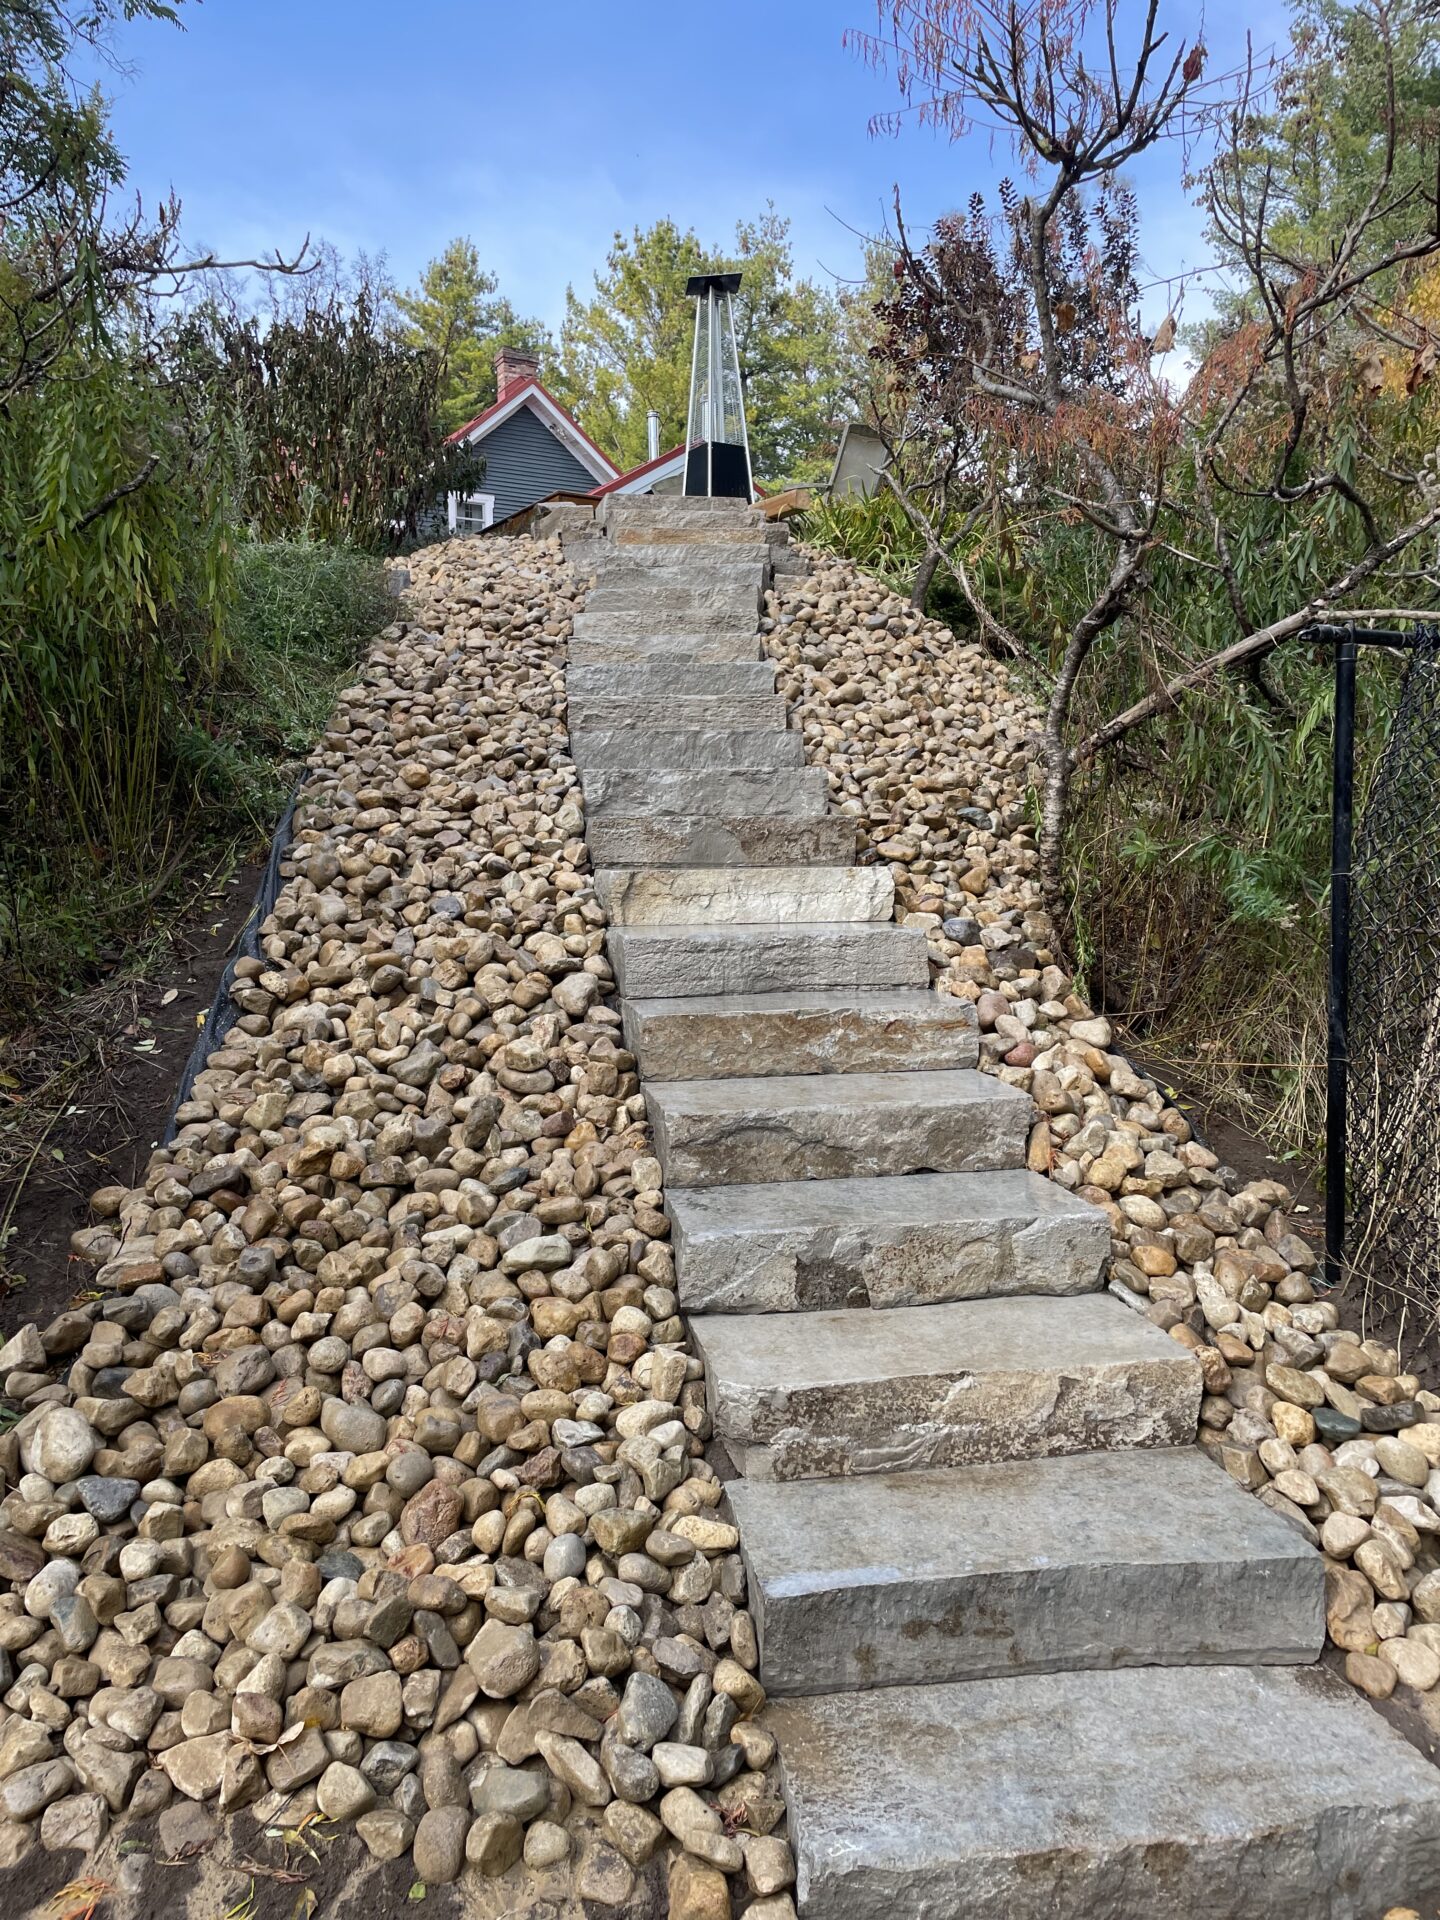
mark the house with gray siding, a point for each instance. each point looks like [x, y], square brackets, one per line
[531, 447]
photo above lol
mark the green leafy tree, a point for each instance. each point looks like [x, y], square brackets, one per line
[627, 348]
[459, 313]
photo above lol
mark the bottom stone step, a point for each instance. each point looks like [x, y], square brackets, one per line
[1125, 1559]
[1166, 1793]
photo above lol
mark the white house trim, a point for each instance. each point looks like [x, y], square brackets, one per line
[455, 502]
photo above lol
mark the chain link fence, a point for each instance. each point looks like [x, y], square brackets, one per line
[1393, 1187]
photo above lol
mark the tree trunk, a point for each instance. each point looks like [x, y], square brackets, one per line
[1054, 806]
[923, 577]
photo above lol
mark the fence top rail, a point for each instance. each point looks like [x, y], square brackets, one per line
[1372, 636]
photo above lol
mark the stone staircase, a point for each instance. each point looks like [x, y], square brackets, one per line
[1026, 1645]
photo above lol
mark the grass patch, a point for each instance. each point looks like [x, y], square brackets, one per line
[300, 616]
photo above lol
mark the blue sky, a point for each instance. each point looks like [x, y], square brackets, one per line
[539, 130]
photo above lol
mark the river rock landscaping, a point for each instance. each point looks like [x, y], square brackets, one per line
[369, 1481]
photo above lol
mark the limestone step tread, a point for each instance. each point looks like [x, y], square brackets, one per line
[907, 1240]
[666, 962]
[1115, 1559]
[717, 646]
[661, 709]
[792, 793]
[732, 896]
[677, 747]
[1201, 1793]
[673, 677]
[743, 1035]
[834, 1126]
[812, 1395]
[738, 558]
[719, 840]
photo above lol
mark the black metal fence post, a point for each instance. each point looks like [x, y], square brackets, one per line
[1337, 1070]
[1347, 641]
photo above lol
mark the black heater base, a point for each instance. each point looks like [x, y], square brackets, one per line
[719, 469]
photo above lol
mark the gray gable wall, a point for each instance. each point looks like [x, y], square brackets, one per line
[524, 462]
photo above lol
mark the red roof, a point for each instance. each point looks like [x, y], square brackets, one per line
[635, 472]
[507, 401]
[660, 460]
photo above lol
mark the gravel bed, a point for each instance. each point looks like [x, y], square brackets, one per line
[369, 1480]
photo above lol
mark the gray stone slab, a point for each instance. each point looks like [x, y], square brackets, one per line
[597, 647]
[808, 1395]
[664, 583]
[740, 555]
[604, 711]
[1204, 1793]
[671, 962]
[722, 793]
[739, 1035]
[638, 678]
[673, 748]
[734, 896]
[1126, 1559]
[835, 1126]
[682, 840]
[909, 1240]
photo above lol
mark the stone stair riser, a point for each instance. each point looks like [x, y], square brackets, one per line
[740, 1036]
[682, 840]
[917, 1241]
[674, 749]
[681, 961]
[1095, 1560]
[734, 896]
[700, 793]
[834, 1127]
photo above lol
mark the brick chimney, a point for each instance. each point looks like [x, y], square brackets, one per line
[513, 367]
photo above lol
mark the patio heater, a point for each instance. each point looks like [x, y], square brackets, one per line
[718, 461]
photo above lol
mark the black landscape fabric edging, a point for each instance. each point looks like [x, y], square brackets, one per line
[223, 1011]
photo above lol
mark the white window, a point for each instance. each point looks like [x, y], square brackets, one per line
[470, 512]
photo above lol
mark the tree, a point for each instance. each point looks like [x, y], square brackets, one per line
[1019, 337]
[339, 416]
[628, 348]
[459, 314]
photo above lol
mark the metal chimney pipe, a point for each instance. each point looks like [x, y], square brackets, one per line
[652, 434]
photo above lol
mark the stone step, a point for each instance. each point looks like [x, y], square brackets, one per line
[719, 793]
[1146, 1558]
[800, 1396]
[654, 595]
[736, 558]
[669, 962]
[740, 1035]
[657, 646]
[1168, 1793]
[638, 679]
[834, 1126]
[909, 1240]
[682, 840]
[726, 711]
[735, 896]
[694, 537]
[628, 509]
[675, 748]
